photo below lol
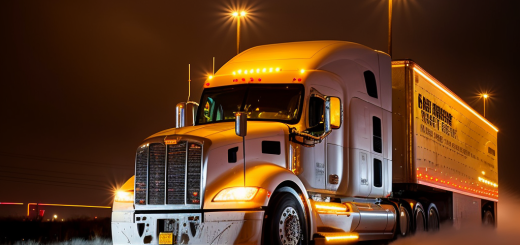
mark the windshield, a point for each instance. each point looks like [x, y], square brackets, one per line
[269, 102]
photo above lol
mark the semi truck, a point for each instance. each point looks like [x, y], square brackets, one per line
[316, 142]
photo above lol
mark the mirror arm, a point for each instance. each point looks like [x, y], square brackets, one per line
[317, 139]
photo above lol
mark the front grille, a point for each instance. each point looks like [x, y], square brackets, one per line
[156, 190]
[168, 174]
[193, 197]
[141, 175]
[176, 173]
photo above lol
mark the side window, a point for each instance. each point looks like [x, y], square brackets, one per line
[378, 142]
[378, 173]
[370, 82]
[491, 151]
[316, 111]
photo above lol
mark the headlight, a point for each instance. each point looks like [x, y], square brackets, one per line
[236, 194]
[124, 196]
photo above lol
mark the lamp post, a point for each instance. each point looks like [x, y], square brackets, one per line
[390, 27]
[485, 96]
[238, 16]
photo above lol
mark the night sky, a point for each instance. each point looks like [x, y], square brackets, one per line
[84, 82]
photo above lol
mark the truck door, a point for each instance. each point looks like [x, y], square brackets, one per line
[315, 156]
[328, 155]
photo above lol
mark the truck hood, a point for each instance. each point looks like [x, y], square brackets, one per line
[220, 134]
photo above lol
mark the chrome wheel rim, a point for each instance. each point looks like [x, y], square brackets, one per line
[289, 227]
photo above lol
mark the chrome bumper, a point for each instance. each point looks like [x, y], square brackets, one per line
[225, 227]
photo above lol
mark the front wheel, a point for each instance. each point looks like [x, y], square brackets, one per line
[285, 223]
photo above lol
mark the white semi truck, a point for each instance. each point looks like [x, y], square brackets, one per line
[323, 142]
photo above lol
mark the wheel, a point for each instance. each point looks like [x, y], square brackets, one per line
[285, 223]
[488, 219]
[433, 218]
[419, 218]
[404, 221]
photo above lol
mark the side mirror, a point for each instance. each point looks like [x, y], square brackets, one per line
[185, 114]
[321, 106]
[241, 123]
[335, 112]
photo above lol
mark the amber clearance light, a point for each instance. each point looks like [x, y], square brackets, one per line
[170, 142]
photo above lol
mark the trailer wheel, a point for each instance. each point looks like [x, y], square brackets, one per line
[404, 221]
[433, 218]
[488, 219]
[419, 218]
[286, 222]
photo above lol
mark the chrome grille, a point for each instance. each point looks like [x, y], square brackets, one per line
[176, 173]
[141, 174]
[194, 156]
[156, 182]
[168, 174]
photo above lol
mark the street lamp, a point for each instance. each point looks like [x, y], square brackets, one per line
[485, 96]
[238, 15]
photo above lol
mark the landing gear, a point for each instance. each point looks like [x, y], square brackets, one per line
[285, 224]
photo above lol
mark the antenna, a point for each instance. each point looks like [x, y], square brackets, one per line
[213, 66]
[189, 81]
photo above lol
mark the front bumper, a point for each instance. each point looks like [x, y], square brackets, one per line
[219, 227]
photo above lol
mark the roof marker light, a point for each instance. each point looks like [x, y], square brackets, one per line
[277, 69]
[258, 70]
[252, 70]
[210, 77]
[245, 72]
[271, 69]
[239, 71]
[302, 71]
[234, 73]
[263, 70]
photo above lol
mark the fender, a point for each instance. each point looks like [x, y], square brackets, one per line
[271, 178]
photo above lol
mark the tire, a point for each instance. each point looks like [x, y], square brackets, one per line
[433, 218]
[488, 219]
[404, 221]
[285, 223]
[419, 219]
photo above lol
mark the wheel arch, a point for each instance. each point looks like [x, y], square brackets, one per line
[281, 180]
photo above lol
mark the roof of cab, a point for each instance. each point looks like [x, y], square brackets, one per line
[290, 56]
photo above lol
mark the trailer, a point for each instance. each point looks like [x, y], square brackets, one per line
[324, 142]
[445, 153]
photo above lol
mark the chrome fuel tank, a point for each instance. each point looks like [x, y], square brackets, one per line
[375, 217]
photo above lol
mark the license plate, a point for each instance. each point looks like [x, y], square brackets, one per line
[165, 238]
